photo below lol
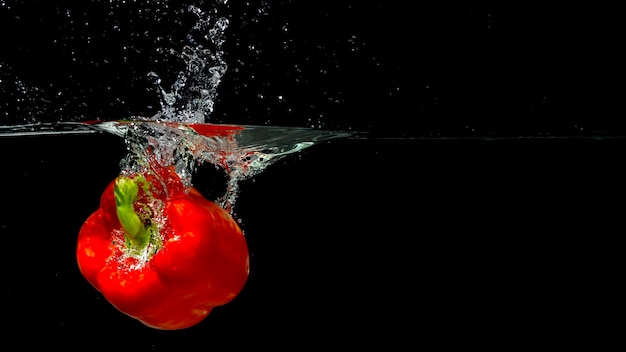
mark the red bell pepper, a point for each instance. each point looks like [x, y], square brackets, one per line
[160, 254]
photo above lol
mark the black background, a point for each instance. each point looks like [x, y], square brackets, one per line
[387, 67]
[431, 242]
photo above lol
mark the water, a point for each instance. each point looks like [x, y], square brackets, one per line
[240, 151]
[190, 99]
[487, 216]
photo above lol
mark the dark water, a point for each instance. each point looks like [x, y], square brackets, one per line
[395, 244]
[421, 244]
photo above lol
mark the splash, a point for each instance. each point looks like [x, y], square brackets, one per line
[179, 135]
[155, 145]
[181, 140]
[191, 98]
[240, 151]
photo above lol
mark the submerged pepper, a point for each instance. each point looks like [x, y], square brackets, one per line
[161, 254]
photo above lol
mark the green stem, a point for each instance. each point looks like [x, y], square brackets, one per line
[126, 191]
